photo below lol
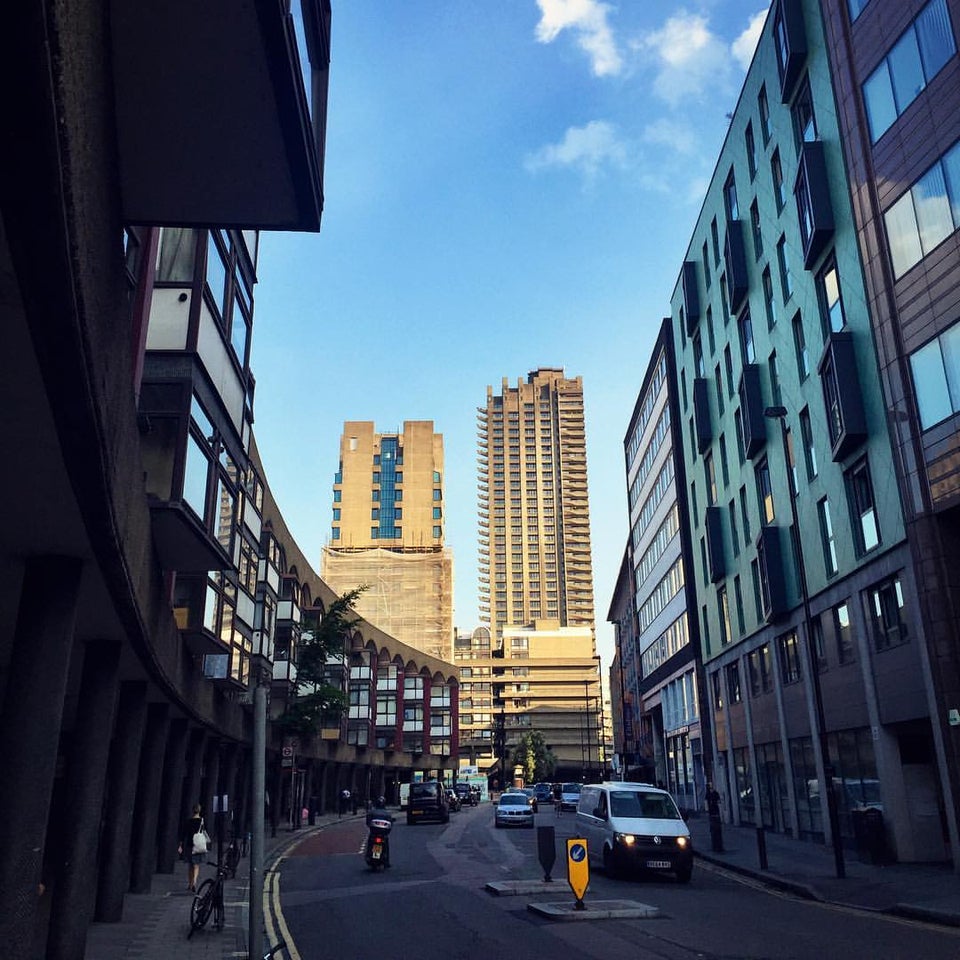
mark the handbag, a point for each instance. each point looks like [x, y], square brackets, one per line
[201, 839]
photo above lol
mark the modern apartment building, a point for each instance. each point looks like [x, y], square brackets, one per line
[811, 632]
[657, 637]
[534, 517]
[536, 581]
[387, 533]
[897, 81]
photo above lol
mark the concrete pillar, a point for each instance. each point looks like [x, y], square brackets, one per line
[143, 847]
[192, 784]
[230, 778]
[211, 780]
[73, 895]
[11, 581]
[170, 816]
[29, 734]
[244, 787]
[323, 787]
[123, 768]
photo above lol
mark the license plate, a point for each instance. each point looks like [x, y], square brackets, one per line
[377, 851]
[416, 811]
[658, 864]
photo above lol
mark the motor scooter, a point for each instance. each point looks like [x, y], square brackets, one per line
[378, 843]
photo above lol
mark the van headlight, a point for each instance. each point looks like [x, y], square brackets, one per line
[682, 842]
[627, 839]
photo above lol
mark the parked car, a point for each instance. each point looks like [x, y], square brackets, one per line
[543, 792]
[513, 810]
[569, 796]
[427, 801]
[531, 796]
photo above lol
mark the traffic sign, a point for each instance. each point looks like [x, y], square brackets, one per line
[578, 868]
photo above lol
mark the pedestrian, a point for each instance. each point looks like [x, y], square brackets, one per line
[712, 798]
[194, 842]
[344, 800]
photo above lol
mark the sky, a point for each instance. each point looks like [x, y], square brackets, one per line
[508, 184]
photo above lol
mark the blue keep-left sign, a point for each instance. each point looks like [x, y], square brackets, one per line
[577, 852]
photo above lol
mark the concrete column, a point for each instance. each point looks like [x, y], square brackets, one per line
[114, 878]
[143, 848]
[244, 788]
[29, 734]
[192, 784]
[211, 780]
[73, 895]
[170, 816]
[323, 787]
[230, 778]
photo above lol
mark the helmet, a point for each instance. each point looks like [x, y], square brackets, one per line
[381, 801]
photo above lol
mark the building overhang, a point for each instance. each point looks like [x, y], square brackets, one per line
[181, 542]
[221, 111]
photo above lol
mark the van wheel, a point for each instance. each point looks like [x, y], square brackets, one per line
[684, 874]
[609, 863]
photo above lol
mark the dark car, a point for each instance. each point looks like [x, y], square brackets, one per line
[428, 801]
[543, 792]
[465, 793]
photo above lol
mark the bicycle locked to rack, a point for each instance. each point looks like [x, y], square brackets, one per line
[208, 902]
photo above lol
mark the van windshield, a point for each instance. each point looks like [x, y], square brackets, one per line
[636, 803]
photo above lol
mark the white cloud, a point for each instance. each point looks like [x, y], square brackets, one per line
[588, 20]
[744, 46]
[670, 133]
[586, 149]
[689, 57]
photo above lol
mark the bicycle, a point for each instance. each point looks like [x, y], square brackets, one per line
[208, 900]
[232, 857]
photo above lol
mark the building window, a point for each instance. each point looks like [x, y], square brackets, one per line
[437, 532]
[723, 609]
[779, 188]
[831, 400]
[827, 539]
[786, 280]
[708, 320]
[728, 367]
[337, 496]
[886, 612]
[745, 325]
[915, 59]
[816, 632]
[764, 491]
[715, 241]
[792, 464]
[698, 355]
[336, 513]
[732, 512]
[706, 266]
[926, 214]
[437, 513]
[844, 633]
[830, 299]
[789, 652]
[375, 513]
[711, 479]
[862, 508]
[738, 429]
[717, 691]
[758, 667]
[335, 533]
[755, 230]
[738, 599]
[804, 119]
[800, 347]
[744, 514]
[437, 494]
[733, 682]
[764, 108]
[730, 197]
[724, 302]
[724, 466]
[809, 450]
[769, 303]
[751, 150]
[936, 377]
[718, 383]
[775, 393]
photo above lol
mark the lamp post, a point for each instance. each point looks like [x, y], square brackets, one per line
[829, 791]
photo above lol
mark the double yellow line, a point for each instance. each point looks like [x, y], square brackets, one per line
[273, 920]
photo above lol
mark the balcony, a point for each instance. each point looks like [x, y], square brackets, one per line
[181, 540]
[773, 585]
[814, 209]
[842, 397]
[221, 111]
[713, 527]
[790, 44]
[735, 264]
[751, 411]
[701, 414]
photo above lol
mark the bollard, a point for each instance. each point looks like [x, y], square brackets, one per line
[546, 851]
[762, 847]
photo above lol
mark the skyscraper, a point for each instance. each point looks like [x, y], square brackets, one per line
[387, 533]
[534, 517]
[535, 546]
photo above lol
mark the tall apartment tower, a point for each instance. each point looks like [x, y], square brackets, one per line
[534, 519]
[388, 533]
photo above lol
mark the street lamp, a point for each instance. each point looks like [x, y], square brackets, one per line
[780, 413]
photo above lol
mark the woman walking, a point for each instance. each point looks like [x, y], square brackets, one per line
[194, 824]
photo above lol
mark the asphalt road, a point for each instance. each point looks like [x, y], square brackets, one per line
[431, 905]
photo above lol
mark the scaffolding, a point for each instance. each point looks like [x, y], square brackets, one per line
[409, 592]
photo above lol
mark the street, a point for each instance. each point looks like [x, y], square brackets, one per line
[431, 905]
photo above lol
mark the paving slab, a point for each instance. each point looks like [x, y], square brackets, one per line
[595, 910]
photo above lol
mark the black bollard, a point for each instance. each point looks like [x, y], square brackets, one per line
[716, 833]
[546, 851]
[762, 847]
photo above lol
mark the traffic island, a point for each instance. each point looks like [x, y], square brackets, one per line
[513, 888]
[595, 910]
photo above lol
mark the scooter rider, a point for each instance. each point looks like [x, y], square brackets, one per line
[379, 812]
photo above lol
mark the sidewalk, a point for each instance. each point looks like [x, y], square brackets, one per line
[155, 925]
[923, 891]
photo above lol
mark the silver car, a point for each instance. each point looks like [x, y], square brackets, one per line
[513, 809]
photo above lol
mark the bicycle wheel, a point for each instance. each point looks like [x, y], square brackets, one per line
[218, 912]
[202, 905]
[233, 858]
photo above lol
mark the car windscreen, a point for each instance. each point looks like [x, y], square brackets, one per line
[420, 791]
[636, 803]
[570, 788]
[514, 800]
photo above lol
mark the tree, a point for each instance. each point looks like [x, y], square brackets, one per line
[315, 700]
[536, 758]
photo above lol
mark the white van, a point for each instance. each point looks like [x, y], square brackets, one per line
[634, 826]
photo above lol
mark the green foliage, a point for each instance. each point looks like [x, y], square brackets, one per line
[536, 758]
[316, 702]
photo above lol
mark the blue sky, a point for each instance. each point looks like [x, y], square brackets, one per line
[509, 184]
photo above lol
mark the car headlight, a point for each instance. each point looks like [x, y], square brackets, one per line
[627, 839]
[682, 842]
